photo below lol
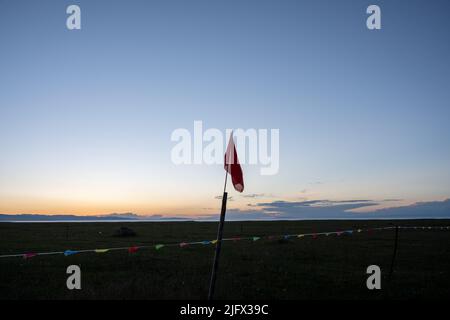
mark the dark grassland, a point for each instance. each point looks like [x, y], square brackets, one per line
[324, 268]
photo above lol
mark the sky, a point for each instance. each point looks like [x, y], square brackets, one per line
[86, 116]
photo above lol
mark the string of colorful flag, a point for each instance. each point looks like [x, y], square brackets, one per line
[159, 246]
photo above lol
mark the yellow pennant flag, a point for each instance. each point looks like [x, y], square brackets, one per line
[101, 250]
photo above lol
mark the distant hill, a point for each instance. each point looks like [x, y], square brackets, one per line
[72, 218]
[62, 217]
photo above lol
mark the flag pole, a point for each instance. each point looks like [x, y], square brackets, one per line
[212, 282]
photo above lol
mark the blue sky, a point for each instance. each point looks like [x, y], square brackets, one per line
[86, 116]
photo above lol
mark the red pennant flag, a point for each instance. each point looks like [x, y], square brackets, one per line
[133, 249]
[233, 167]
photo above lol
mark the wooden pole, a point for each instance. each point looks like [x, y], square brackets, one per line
[215, 267]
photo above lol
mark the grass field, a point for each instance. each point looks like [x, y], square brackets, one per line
[329, 267]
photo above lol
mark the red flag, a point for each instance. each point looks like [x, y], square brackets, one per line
[133, 249]
[233, 167]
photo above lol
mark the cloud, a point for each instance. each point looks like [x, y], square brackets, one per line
[220, 197]
[237, 214]
[431, 209]
[342, 209]
[320, 209]
[254, 195]
[289, 210]
[121, 215]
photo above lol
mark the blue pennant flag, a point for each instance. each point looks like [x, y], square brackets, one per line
[69, 252]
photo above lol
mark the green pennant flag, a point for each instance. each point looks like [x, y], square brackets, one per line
[256, 238]
[159, 246]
